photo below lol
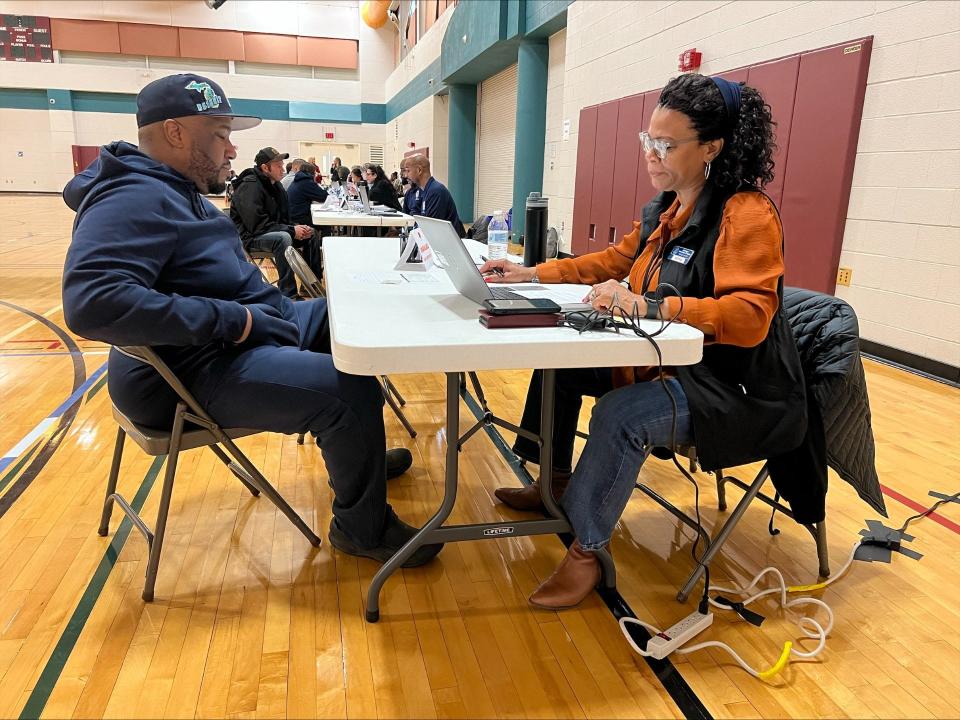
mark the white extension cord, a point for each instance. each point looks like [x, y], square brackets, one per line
[664, 642]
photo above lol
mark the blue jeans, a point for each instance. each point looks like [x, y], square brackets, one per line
[625, 422]
[277, 243]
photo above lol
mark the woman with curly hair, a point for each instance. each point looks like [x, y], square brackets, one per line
[715, 242]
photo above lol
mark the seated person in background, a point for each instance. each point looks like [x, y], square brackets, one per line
[715, 237]
[411, 198]
[293, 167]
[397, 185]
[261, 214]
[153, 262]
[435, 200]
[334, 168]
[304, 191]
[379, 189]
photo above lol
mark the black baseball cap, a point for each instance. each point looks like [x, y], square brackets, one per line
[186, 94]
[269, 154]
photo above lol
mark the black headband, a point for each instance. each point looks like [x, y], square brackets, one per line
[730, 91]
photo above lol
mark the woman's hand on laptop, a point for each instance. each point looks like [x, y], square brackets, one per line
[504, 271]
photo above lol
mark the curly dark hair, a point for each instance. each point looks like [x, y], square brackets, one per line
[746, 159]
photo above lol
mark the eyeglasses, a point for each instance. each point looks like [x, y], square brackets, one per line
[661, 146]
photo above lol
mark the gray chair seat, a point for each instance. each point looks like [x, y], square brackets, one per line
[154, 441]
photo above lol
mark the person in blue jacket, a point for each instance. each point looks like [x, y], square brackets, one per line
[435, 200]
[153, 262]
[411, 198]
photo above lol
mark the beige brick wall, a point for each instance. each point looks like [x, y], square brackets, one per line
[902, 235]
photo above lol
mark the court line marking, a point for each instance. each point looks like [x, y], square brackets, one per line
[13, 333]
[44, 425]
[51, 672]
[670, 678]
[917, 507]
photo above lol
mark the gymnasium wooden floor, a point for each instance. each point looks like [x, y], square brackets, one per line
[250, 621]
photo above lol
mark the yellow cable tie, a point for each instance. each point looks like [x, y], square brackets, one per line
[805, 588]
[779, 665]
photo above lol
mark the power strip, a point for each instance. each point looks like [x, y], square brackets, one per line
[666, 641]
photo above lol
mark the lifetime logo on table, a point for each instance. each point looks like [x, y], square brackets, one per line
[504, 530]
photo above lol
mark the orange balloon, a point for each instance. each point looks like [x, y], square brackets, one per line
[374, 12]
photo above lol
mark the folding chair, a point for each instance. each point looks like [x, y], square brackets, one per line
[311, 286]
[257, 257]
[203, 431]
[715, 543]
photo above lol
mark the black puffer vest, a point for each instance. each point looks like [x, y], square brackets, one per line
[746, 403]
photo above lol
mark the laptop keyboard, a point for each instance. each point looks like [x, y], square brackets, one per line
[504, 294]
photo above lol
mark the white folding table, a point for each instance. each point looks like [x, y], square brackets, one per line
[417, 327]
[352, 218]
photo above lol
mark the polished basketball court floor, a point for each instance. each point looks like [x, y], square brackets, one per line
[250, 621]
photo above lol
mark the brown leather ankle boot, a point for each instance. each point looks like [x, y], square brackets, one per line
[571, 582]
[528, 498]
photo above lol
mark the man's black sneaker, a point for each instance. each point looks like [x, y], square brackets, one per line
[395, 535]
[399, 461]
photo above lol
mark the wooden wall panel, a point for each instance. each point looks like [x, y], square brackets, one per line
[150, 40]
[211, 44]
[777, 82]
[327, 52]
[605, 153]
[583, 185]
[820, 155]
[84, 35]
[625, 166]
[268, 48]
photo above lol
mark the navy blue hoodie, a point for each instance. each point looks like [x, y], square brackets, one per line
[152, 262]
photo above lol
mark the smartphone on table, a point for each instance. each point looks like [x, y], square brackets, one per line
[521, 306]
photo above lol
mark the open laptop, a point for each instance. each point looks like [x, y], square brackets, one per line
[463, 270]
[369, 209]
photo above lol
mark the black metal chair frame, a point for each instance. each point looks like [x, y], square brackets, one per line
[715, 543]
[311, 285]
[160, 442]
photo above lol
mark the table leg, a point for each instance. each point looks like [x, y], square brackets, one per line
[446, 507]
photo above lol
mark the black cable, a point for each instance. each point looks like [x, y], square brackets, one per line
[926, 512]
[612, 320]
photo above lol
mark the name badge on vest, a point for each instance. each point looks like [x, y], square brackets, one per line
[681, 255]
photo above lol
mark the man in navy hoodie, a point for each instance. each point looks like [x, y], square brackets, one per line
[153, 262]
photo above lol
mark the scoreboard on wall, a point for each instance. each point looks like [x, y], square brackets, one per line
[25, 38]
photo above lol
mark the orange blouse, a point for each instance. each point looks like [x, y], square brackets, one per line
[747, 264]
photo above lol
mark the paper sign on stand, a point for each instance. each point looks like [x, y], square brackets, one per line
[416, 246]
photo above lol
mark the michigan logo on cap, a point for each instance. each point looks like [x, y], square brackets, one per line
[210, 99]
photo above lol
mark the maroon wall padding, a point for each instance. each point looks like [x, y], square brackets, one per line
[604, 155]
[645, 192]
[822, 149]
[583, 186]
[817, 101]
[777, 82]
[625, 165]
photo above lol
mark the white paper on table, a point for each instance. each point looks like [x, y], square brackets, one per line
[377, 278]
[560, 293]
[419, 277]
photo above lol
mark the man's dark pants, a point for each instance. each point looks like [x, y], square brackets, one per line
[287, 390]
[277, 244]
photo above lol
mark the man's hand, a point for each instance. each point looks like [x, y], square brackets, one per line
[267, 327]
[504, 271]
[610, 294]
[302, 232]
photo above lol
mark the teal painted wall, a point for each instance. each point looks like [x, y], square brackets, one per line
[462, 148]
[426, 84]
[296, 111]
[531, 126]
[545, 17]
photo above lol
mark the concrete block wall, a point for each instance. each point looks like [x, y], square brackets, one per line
[902, 236]
[424, 124]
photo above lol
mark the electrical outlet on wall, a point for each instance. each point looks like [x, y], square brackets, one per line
[844, 275]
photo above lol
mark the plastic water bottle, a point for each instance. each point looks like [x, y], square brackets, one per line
[497, 233]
